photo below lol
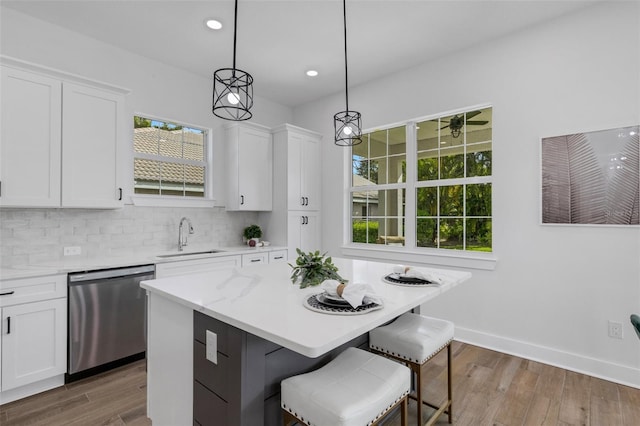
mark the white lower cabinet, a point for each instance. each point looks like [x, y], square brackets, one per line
[277, 256]
[303, 231]
[255, 258]
[34, 339]
[194, 266]
[33, 346]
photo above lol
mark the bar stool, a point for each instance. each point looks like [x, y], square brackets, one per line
[414, 339]
[356, 388]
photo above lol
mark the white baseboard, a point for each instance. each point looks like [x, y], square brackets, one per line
[31, 389]
[617, 373]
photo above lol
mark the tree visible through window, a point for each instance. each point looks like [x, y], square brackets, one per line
[169, 159]
[452, 183]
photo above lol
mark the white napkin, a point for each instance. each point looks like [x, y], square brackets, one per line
[422, 274]
[330, 287]
[356, 294]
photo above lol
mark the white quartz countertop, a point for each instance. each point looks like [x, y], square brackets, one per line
[262, 300]
[78, 263]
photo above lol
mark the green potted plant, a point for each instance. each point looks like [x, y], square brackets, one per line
[313, 268]
[252, 233]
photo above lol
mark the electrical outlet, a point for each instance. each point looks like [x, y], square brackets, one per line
[72, 251]
[212, 347]
[615, 329]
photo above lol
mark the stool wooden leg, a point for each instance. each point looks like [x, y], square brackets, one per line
[404, 413]
[288, 418]
[449, 387]
[416, 368]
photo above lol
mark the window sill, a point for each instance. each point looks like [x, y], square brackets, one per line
[471, 260]
[153, 201]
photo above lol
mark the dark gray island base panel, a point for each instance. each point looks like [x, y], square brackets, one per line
[243, 388]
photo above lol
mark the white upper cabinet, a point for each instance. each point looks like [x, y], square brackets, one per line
[249, 149]
[59, 143]
[92, 127]
[30, 143]
[302, 155]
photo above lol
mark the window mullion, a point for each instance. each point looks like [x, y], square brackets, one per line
[410, 193]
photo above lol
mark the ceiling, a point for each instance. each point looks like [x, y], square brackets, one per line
[279, 40]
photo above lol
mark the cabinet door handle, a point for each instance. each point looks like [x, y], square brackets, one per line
[8, 325]
[306, 201]
[255, 260]
[278, 257]
[302, 201]
[6, 293]
[241, 199]
[120, 194]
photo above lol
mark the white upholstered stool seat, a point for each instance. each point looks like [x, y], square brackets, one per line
[414, 339]
[357, 388]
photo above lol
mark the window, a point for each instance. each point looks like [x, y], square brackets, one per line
[169, 159]
[443, 201]
[378, 187]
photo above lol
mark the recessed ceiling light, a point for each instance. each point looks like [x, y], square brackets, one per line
[214, 24]
[312, 73]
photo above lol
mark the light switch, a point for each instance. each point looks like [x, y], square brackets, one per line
[212, 347]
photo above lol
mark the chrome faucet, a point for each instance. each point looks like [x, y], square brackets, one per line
[182, 239]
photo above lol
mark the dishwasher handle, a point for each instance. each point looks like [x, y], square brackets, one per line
[106, 274]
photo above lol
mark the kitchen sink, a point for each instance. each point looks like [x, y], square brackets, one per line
[187, 254]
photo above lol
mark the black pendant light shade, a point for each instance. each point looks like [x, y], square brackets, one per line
[347, 124]
[348, 128]
[232, 94]
[232, 87]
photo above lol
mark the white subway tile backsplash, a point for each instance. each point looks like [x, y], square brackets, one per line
[32, 236]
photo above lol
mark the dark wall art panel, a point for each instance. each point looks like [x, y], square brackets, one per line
[592, 178]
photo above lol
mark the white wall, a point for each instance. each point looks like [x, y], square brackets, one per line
[554, 287]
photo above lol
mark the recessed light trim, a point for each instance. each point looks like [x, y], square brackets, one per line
[213, 24]
[312, 73]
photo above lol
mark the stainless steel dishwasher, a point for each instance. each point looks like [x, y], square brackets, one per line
[107, 319]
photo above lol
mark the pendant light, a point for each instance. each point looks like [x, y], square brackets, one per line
[232, 87]
[347, 124]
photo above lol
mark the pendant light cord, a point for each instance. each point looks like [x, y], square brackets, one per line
[346, 79]
[235, 31]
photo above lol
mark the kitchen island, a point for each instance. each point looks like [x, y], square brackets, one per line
[259, 333]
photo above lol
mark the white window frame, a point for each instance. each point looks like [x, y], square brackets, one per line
[410, 253]
[172, 200]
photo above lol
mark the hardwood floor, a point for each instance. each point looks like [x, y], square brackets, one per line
[490, 388]
[117, 397]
